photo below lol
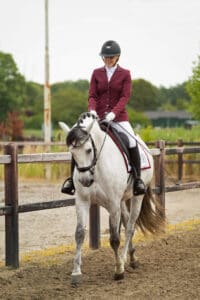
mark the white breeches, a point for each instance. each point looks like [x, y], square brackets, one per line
[126, 128]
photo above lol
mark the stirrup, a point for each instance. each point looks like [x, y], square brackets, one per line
[68, 186]
[139, 187]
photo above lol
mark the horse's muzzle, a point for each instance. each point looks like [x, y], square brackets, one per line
[86, 182]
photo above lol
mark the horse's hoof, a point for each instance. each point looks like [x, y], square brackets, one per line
[134, 264]
[76, 280]
[119, 276]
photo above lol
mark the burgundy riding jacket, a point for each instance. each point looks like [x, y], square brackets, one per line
[106, 96]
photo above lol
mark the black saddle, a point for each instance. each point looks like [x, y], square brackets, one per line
[119, 138]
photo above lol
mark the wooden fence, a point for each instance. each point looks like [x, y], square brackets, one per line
[12, 208]
[180, 151]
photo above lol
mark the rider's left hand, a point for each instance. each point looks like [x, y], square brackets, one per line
[110, 116]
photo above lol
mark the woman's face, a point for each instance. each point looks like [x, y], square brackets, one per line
[110, 61]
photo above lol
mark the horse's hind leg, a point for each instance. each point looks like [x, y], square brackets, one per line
[114, 222]
[82, 210]
[125, 207]
[135, 207]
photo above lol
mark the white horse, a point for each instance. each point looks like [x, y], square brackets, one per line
[101, 177]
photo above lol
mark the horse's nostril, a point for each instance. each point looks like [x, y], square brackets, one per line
[90, 183]
[86, 183]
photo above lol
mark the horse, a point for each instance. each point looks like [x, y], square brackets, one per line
[101, 177]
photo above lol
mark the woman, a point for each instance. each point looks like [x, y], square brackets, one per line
[109, 92]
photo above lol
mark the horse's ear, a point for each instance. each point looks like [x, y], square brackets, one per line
[64, 127]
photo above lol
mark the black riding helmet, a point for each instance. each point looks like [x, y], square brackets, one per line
[110, 48]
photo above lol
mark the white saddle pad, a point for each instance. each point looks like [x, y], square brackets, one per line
[145, 163]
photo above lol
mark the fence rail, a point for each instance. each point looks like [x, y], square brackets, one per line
[178, 143]
[11, 209]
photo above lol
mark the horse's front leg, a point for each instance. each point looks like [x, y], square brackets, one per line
[82, 210]
[114, 221]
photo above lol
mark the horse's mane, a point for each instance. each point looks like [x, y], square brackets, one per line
[83, 116]
[77, 133]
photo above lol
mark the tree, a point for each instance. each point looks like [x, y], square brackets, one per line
[173, 98]
[33, 112]
[15, 126]
[79, 85]
[12, 86]
[137, 119]
[193, 88]
[144, 95]
[12, 128]
[67, 105]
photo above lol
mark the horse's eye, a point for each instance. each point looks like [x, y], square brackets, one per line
[88, 151]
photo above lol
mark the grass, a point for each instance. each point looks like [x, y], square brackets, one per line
[38, 170]
[151, 134]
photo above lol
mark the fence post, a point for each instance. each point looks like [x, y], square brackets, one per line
[159, 173]
[94, 227]
[180, 161]
[11, 199]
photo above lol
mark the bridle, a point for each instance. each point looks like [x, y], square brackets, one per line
[91, 167]
[94, 160]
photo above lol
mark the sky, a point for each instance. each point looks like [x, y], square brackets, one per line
[159, 39]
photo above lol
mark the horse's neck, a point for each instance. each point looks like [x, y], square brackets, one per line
[103, 141]
[98, 135]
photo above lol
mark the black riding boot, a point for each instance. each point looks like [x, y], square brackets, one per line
[68, 185]
[139, 186]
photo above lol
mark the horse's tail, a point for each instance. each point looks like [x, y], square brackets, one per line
[152, 216]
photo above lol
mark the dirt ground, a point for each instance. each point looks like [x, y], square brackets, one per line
[169, 266]
[169, 269]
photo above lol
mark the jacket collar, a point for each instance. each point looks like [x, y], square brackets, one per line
[117, 69]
